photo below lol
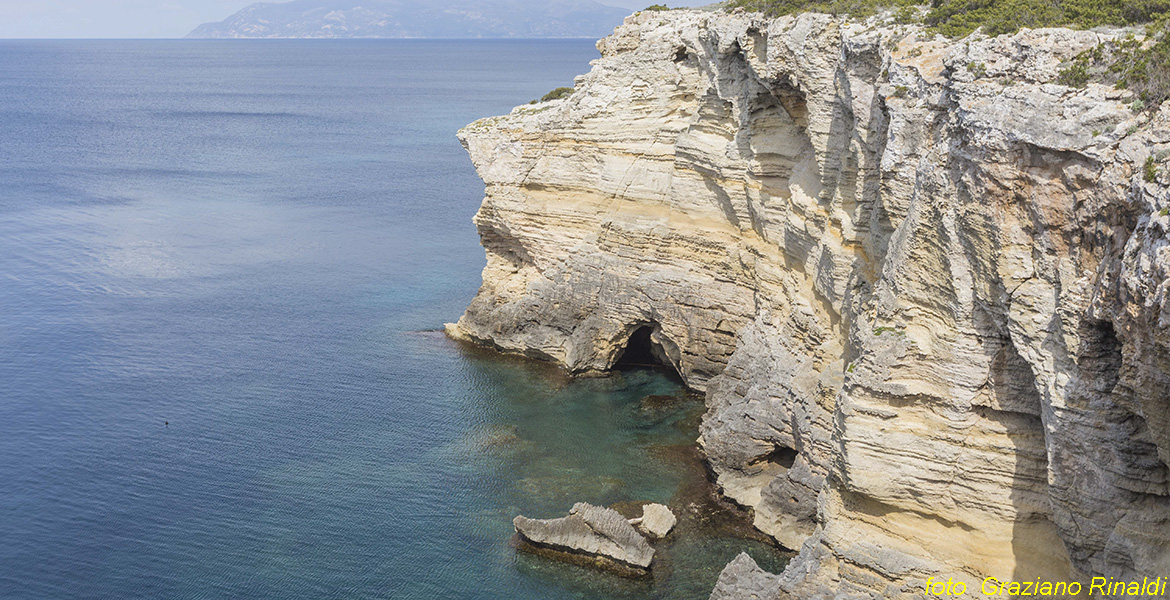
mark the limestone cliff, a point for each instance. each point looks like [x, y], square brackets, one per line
[923, 285]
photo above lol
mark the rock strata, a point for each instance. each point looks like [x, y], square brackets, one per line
[590, 530]
[922, 283]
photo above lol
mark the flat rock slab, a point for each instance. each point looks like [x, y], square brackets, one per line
[589, 530]
[657, 520]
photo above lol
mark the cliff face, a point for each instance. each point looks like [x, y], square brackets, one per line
[923, 285]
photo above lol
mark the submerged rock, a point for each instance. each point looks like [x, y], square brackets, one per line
[591, 530]
[656, 520]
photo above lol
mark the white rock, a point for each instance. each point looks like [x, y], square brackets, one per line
[656, 521]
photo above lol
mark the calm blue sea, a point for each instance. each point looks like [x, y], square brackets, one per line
[222, 270]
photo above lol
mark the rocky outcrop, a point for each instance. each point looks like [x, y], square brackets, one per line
[743, 579]
[590, 530]
[923, 285]
[656, 520]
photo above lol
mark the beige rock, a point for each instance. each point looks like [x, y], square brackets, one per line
[656, 520]
[590, 530]
[929, 309]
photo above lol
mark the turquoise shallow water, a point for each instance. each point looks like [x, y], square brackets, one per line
[255, 242]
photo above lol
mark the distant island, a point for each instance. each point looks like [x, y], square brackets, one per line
[418, 19]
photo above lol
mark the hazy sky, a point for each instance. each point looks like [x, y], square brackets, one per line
[147, 18]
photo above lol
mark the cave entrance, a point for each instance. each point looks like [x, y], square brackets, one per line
[780, 455]
[642, 351]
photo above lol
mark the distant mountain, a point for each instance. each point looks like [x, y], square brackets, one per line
[418, 19]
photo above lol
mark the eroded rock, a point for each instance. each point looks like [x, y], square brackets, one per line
[743, 579]
[591, 530]
[656, 520]
[923, 284]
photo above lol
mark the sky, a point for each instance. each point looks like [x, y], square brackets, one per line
[149, 18]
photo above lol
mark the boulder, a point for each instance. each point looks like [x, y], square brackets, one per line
[656, 520]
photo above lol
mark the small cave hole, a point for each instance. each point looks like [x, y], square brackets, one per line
[642, 351]
[780, 455]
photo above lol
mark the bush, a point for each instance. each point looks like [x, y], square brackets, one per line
[1137, 65]
[1076, 75]
[1150, 170]
[905, 15]
[1142, 66]
[556, 94]
[657, 7]
[855, 8]
[956, 18]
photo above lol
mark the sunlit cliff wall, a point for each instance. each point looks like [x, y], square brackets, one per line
[923, 286]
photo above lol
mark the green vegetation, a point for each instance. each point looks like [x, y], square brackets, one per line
[1141, 65]
[979, 70]
[1150, 170]
[1164, 212]
[956, 18]
[906, 15]
[657, 7]
[1075, 75]
[896, 330]
[558, 93]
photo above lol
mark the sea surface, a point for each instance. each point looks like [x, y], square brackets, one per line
[223, 268]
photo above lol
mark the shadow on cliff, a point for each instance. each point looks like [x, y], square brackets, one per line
[1038, 552]
[647, 348]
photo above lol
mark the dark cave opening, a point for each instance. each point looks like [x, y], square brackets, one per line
[781, 455]
[643, 352]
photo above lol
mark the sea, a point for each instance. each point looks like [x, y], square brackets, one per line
[224, 271]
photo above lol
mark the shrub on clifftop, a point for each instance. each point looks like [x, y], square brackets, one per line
[556, 94]
[956, 18]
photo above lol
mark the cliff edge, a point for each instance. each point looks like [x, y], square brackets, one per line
[923, 285]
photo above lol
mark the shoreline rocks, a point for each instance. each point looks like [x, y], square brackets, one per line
[743, 579]
[656, 521]
[590, 530]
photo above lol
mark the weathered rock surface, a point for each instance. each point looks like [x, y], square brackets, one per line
[592, 530]
[923, 285]
[743, 579]
[656, 520]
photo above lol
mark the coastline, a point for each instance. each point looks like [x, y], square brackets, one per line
[828, 227]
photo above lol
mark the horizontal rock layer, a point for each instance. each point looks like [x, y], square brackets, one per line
[923, 285]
